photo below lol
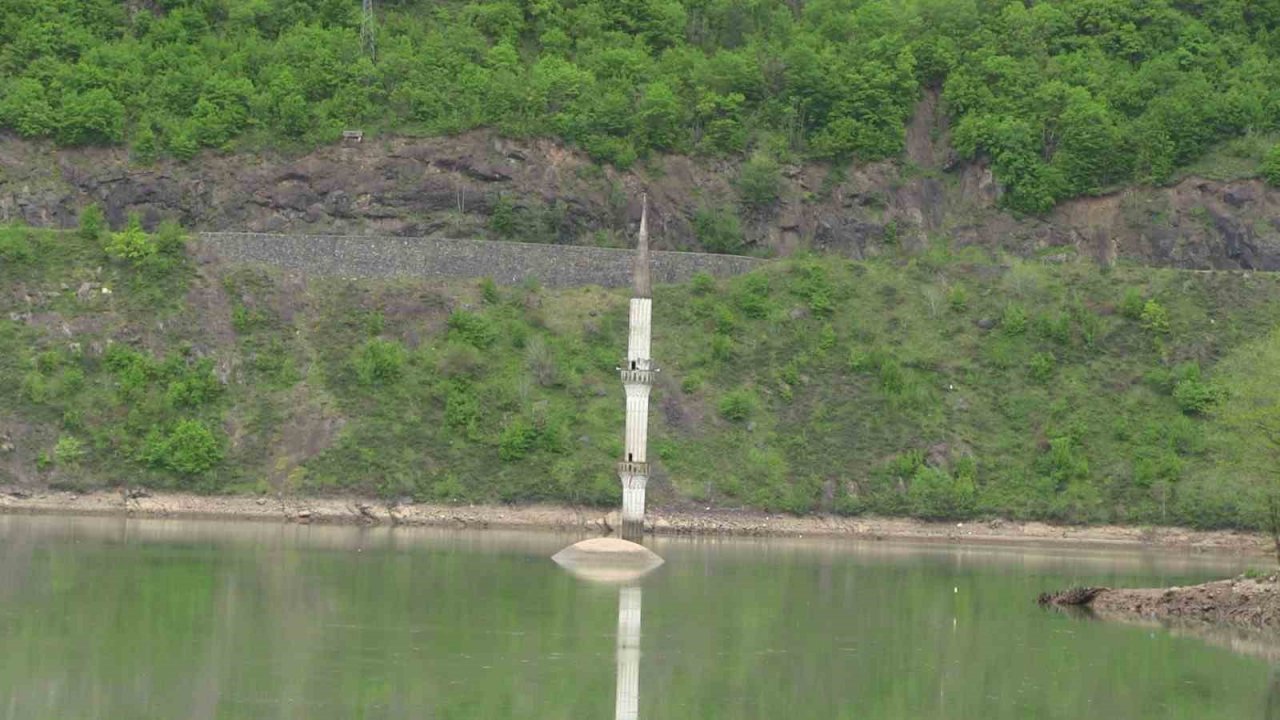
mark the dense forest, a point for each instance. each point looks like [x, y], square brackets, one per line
[940, 385]
[1064, 98]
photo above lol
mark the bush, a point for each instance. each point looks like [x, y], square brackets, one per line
[379, 362]
[92, 222]
[1155, 319]
[68, 451]
[1014, 320]
[170, 238]
[194, 388]
[1196, 397]
[473, 328]
[737, 405]
[935, 495]
[718, 230]
[1271, 166]
[815, 287]
[14, 246]
[460, 361]
[1042, 366]
[489, 291]
[518, 439]
[461, 406]
[189, 449]
[759, 182]
[753, 295]
[1132, 303]
[132, 243]
[702, 283]
[503, 218]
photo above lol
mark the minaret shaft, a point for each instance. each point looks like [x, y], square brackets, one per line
[637, 379]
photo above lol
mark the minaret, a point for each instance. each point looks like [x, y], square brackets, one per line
[627, 705]
[637, 378]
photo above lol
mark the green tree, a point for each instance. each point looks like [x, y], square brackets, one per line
[93, 116]
[24, 106]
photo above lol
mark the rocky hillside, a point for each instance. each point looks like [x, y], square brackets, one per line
[479, 184]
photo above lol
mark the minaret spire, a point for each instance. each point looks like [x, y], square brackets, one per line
[637, 379]
[643, 287]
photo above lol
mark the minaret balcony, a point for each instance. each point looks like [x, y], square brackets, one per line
[627, 467]
[641, 377]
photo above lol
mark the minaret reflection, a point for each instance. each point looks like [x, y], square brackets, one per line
[627, 706]
[612, 561]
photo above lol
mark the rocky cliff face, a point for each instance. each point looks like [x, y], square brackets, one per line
[541, 191]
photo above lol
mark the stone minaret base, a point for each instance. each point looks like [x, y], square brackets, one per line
[634, 478]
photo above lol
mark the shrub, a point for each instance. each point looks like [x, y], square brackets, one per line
[379, 362]
[721, 347]
[518, 438]
[1042, 366]
[958, 298]
[1155, 319]
[702, 283]
[461, 406]
[132, 243]
[934, 494]
[1132, 303]
[815, 287]
[718, 230]
[1271, 166]
[753, 295]
[737, 405]
[691, 382]
[489, 291]
[92, 222]
[190, 448]
[1014, 320]
[14, 246]
[503, 218]
[1196, 397]
[759, 182]
[195, 387]
[473, 328]
[460, 361]
[170, 238]
[68, 451]
[541, 361]
[1055, 326]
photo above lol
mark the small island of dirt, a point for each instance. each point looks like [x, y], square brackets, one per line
[1242, 601]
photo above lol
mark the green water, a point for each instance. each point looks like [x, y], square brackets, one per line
[149, 619]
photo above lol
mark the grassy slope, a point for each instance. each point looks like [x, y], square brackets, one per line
[816, 383]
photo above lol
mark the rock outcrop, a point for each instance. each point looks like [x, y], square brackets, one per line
[479, 185]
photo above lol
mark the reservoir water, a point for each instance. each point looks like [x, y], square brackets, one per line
[115, 619]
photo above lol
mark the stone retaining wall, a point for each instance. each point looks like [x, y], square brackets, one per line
[508, 263]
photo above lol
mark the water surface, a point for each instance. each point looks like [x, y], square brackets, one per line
[155, 619]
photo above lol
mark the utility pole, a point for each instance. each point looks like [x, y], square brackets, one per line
[368, 31]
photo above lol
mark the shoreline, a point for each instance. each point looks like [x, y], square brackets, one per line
[660, 521]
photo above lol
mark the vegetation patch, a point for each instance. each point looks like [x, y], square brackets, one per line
[942, 386]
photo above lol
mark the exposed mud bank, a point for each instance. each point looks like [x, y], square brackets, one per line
[662, 521]
[1241, 602]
